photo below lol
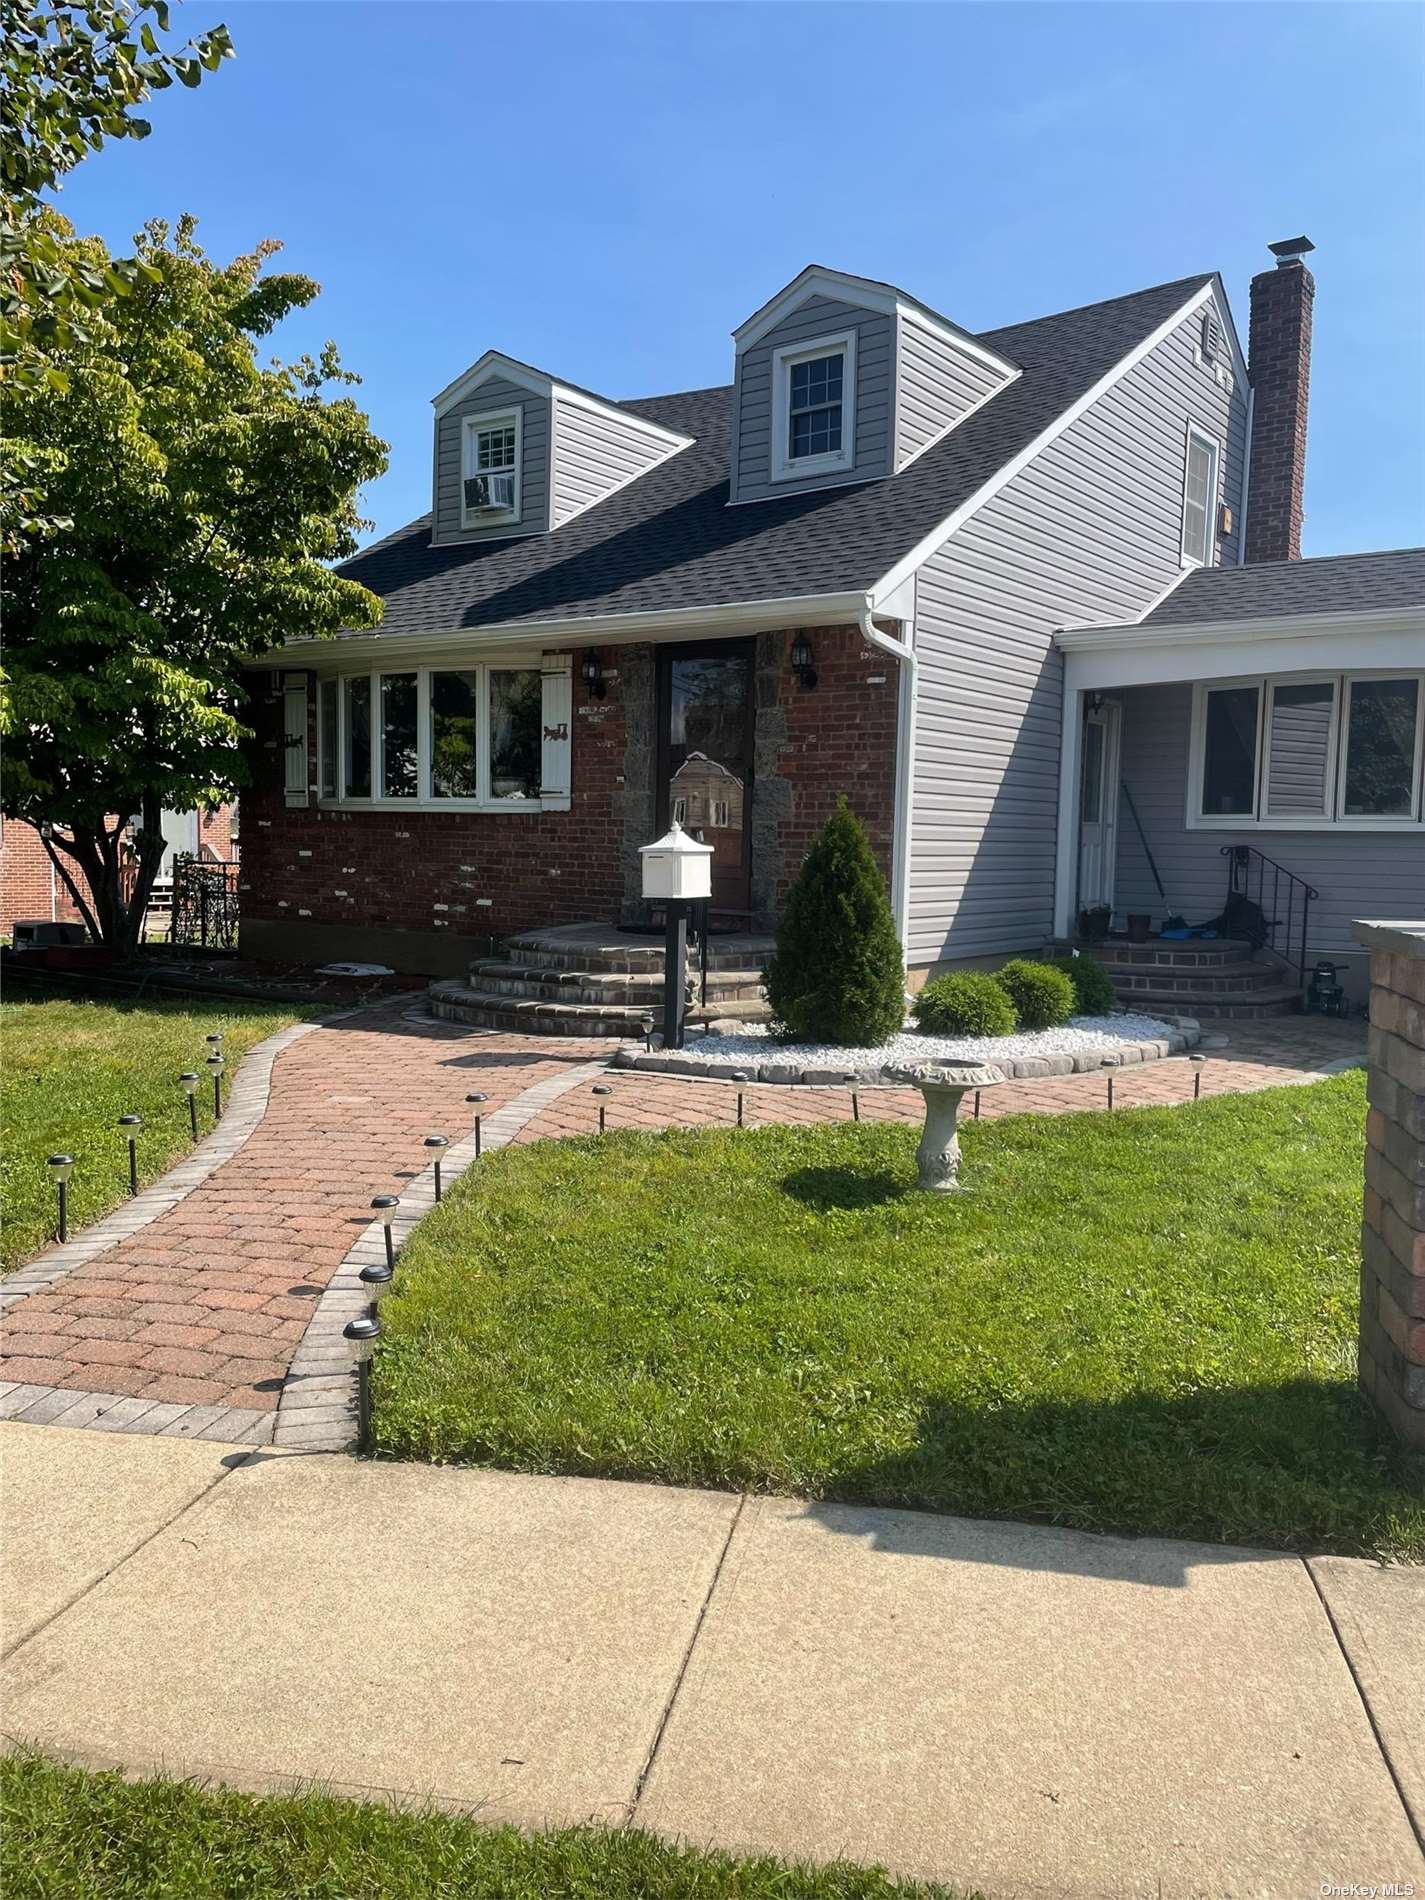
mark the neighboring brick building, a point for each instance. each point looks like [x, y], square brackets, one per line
[31, 890]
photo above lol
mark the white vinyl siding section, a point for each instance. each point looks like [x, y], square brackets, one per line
[937, 384]
[1355, 871]
[494, 396]
[594, 454]
[1090, 529]
[753, 397]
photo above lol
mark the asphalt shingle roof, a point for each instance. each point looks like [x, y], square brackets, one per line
[669, 540]
[1333, 583]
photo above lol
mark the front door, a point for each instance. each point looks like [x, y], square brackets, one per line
[705, 724]
[1098, 806]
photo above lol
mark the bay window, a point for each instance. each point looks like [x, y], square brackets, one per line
[485, 736]
[1307, 752]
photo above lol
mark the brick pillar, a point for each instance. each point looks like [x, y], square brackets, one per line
[1279, 365]
[1392, 1353]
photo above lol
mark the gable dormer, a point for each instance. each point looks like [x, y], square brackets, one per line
[517, 452]
[842, 379]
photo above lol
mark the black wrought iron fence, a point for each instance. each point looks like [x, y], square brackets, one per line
[205, 902]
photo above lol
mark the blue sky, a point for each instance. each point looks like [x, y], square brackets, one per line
[606, 190]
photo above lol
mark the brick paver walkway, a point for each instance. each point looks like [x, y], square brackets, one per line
[205, 1306]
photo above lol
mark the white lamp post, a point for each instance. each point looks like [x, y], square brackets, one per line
[677, 873]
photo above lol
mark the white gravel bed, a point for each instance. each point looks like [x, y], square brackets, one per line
[1078, 1036]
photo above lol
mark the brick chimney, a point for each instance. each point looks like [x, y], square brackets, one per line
[1279, 365]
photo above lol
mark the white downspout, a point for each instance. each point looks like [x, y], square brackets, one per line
[904, 654]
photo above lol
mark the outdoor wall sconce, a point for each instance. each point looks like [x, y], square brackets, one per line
[131, 1124]
[593, 671]
[384, 1208]
[189, 1082]
[804, 662]
[61, 1167]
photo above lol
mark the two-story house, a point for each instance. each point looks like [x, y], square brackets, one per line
[1031, 599]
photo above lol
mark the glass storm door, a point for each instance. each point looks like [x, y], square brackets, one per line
[705, 710]
[1098, 807]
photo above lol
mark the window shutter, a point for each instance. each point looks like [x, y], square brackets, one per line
[294, 737]
[557, 673]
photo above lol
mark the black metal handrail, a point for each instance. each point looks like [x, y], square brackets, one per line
[1278, 933]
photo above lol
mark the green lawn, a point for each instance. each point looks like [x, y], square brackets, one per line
[69, 1069]
[1143, 1321]
[68, 1835]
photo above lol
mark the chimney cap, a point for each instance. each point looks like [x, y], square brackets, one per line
[1290, 250]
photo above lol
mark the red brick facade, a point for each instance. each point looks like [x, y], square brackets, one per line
[353, 884]
[1279, 363]
[29, 889]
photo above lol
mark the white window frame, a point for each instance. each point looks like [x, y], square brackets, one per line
[1368, 821]
[1333, 820]
[784, 467]
[471, 427]
[1301, 821]
[1194, 432]
[425, 800]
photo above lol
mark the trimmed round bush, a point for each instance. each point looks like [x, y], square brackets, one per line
[1094, 994]
[1042, 994]
[964, 1003]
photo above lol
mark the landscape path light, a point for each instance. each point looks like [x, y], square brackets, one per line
[216, 1065]
[740, 1079]
[188, 1081]
[854, 1086]
[435, 1145]
[384, 1208]
[61, 1167]
[601, 1092]
[377, 1281]
[362, 1335]
[131, 1124]
[478, 1101]
[1197, 1067]
[1108, 1065]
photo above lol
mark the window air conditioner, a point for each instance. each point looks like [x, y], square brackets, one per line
[489, 494]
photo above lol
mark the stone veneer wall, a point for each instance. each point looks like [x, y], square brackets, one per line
[426, 890]
[1392, 1348]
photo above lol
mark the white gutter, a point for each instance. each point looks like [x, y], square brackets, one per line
[904, 654]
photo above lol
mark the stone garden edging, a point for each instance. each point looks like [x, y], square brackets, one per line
[892, 1075]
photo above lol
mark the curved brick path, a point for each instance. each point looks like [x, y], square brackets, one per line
[194, 1318]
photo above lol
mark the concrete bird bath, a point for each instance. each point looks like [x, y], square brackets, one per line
[944, 1088]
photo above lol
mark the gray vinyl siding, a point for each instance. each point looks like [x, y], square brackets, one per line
[875, 366]
[1357, 873]
[937, 382]
[1299, 763]
[594, 454]
[1090, 529]
[534, 462]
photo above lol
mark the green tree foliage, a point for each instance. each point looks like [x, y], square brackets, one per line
[1041, 993]
[1094, 994]
[964, 1003]
[207, 495]
[838, 976]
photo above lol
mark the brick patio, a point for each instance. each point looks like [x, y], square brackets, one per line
[196, 1316]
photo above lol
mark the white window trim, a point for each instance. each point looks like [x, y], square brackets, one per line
[1299, 821]
[1214, 446]
[470, 425]
[804, 467]
[1257, 819]
[424, 800]
[1369, 822]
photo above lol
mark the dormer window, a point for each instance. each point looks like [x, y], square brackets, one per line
[814, 407]
[491, 483]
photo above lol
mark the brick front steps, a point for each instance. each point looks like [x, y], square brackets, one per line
[1219, 979]
[593, 980]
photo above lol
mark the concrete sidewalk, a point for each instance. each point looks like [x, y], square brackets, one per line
[1026, 1711]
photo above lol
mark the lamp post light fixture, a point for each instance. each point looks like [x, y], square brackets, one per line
[740, 1083]
[188, 1081]
[216, 1065]
[1108, 1065]
[601, 1092]
[1198, 1063]
[478, 1101]
[377, 1280]
[384, 1208]
[436, 1146]
[61, 1167]
[852, 1084]
[132, 1124]
[362, 1335]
